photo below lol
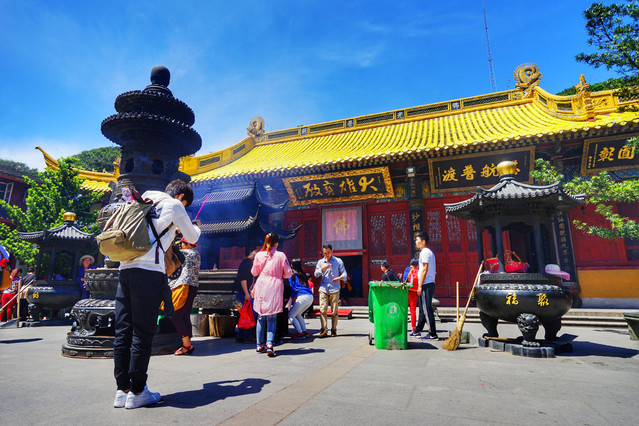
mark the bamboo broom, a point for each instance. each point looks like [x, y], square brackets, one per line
[452, 343]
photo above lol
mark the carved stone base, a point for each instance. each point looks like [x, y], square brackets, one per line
[544, 350]
[94, 316]
[88, 346]
[528, 325]
[102, 346]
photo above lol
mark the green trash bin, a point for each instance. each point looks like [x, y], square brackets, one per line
[388, 310]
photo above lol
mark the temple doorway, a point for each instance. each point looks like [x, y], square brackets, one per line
[356, 296]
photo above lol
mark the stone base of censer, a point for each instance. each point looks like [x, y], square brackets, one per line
[98, 346]
[94, 330]
[544, 350]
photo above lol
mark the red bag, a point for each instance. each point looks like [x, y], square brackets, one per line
[514, 265]
[510, 264]
[247, 318]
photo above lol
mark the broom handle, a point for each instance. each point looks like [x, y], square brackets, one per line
[457, 298]
[460, 325]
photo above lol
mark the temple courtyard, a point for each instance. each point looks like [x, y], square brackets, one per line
[336, 380]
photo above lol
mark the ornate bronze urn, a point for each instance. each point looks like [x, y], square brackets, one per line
[531, 298]
[154, 130]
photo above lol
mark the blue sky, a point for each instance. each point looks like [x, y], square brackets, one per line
[292, 62]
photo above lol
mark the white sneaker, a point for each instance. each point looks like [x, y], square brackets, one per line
[145, 398]
[120, 399]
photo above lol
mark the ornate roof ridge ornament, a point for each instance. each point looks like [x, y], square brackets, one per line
[527, 76]
[255, 130]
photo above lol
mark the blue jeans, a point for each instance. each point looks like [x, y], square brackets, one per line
[271, 323]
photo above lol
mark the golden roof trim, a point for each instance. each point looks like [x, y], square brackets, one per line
[515, 125]
[53, 164]
[201, 164]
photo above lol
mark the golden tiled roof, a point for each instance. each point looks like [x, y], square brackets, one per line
[511, 120]
[523, 116]
[93, 181]
[96, 186]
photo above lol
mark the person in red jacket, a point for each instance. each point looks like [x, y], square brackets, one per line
[9, 294]
[412, 277]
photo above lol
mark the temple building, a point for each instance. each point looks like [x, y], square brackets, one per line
[367, 184]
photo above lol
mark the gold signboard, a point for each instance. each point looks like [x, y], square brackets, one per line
[466, 172]
[341, 186]
[609, 153]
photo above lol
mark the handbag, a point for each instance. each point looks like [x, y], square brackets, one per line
[247, 318]
[510, 265]
[173, 263]
[514, 265]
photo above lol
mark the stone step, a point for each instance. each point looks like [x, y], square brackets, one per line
[604, 318]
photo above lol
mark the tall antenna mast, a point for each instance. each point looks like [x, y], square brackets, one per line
[493, 86]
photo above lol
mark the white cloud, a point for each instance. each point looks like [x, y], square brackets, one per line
[24, 150]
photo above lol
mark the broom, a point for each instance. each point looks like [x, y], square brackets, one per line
[452, 343]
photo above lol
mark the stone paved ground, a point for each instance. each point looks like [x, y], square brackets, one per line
[340, 380]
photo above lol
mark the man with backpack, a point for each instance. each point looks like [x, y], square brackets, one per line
[140, 291]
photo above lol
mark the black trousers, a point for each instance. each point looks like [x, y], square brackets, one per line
[182, 317]
[137, 303]
[425, 304]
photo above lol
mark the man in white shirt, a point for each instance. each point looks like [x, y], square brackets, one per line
[139, 293]
[425, 288]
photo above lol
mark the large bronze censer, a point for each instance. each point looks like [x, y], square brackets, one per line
[154, 130]
[534, 297]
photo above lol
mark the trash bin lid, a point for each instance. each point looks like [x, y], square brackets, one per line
[395, 284]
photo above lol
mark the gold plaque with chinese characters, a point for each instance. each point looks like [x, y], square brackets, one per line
[339, 187]
[610, 154]
[467, 172]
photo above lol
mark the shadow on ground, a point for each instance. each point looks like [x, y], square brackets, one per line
[35, 339]
[212, 392]
[298, 351]
[597, 349]
[421, 345]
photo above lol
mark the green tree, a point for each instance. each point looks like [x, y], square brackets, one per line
[25, 252]
[600, 190]
[98, 159]
[55, 192]
[610, 84]
[20, 168]
[613, 30]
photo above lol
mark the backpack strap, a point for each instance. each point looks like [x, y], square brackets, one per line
[157, 237]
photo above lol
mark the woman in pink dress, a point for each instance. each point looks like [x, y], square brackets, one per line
[270, 267]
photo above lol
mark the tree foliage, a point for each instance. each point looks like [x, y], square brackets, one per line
[20, 168]
[610, 84]
[613, 30]
[25, 252]
[54, 193]
[600, 191]
[98, 159]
